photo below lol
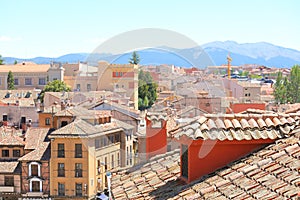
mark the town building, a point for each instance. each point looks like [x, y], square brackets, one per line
[24, 161]
[85, 145]
[28, 76]
[115, 76]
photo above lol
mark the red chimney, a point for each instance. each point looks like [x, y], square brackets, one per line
[208, 144]
[156, 134]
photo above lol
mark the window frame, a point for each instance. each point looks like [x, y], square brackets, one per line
[9, 181]
[47, 121]
[78, 152]
[61, 170]
[60, 152]
[26, 81]
[5, 155]
[61, 189]
[14, 153]
[78, 189]
[78, 170]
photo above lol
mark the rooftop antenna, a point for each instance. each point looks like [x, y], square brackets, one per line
[229, 59]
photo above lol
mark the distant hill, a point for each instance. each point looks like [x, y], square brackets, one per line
[261, 53]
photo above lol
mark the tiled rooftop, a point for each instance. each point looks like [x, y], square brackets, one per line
[41, 152]
[270, 173]
[10, 136]
[81, 128]
[28, 68]
[238, 126]
[8, 166]
[34, 137]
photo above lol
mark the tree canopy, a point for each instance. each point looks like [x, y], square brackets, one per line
[54, 86]
[10, 81]
[135, 58]
[147, 90]
[1, 60]
[287, 89]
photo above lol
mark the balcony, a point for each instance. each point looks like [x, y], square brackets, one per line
[7, 189]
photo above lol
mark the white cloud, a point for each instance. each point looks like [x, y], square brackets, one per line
[9, 39]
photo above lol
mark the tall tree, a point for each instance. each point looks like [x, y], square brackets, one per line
[135, 58]
[294, 85]
[54, 86]
[10, 81]
[147, 90]
[287, 89]
[1, 60]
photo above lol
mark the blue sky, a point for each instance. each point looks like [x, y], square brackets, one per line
[31, 28]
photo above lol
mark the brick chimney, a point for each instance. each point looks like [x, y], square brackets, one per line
[156, 134]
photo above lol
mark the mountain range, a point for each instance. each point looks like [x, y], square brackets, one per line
[214, 53]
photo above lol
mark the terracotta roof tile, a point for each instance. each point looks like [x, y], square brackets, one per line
[8, 166]
[270, 173]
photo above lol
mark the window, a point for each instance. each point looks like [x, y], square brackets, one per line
[61, 150]
[117, 74]
[112, 161]
[78, 150]
[34, 170]
[105, 160]
[61, 189]
[78, 189]
[78, 169]
[78, 87]
[111, 138]
[97, 144]
[16, 81]
[104, 142]
[64, 123]
[5, 153]
[28, 81]
[88, 87]
[117, 137]
[47, 121]
[42, 81]
[246, 94]
[8, 181]
[16, 153]
[118, 156]
[61, 170]
[35, 186]
[184, 161]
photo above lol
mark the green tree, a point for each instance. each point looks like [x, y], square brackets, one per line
[1, 60]
[54, 86]
[135, 58]
[16, 62]
[287, 89]
[10, 81]
[147, 90]
[294, 85]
